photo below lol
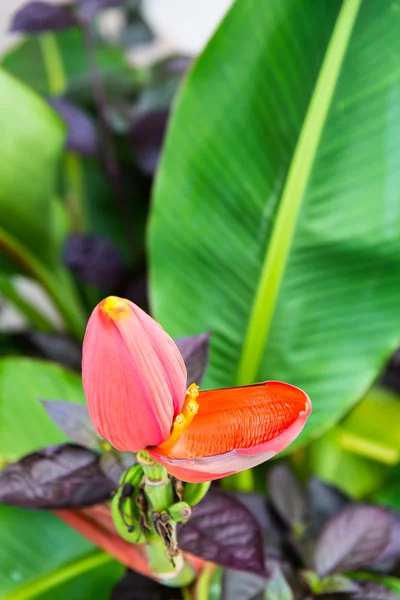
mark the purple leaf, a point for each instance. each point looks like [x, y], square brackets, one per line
[74, 421]
[267, 521]
[325, 501]
[65, 476]
[239, 585]
[136, 289]
[223, 531]
[37, 17]
[368, 590]
[335, 596]
[82, 135]
[352, 539]
[277, 587]
[257, 506]
[146, 136]
[387, 561]
[89, 8]
[58, 347]
[287, 496]
[114, 463]
[94, 259]
[374, 591]
[195, 351]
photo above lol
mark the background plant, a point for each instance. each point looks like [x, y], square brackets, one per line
[274, 224]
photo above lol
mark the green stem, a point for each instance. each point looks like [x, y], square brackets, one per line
[59, 576]
[297, 179]
[159, 491]
[204, 581]
[162, 568]
[71, 314]
[35, 318]
[158, 487]
[358, 444]
[186, 593]
[53, 64]
[75, 190]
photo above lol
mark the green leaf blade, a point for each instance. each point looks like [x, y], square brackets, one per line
[38, 571]
[229, 150]
[24, 425]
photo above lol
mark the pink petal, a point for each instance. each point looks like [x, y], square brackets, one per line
[132, 379]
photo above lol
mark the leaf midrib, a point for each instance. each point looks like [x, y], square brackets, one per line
[299, 172]
[58, 576]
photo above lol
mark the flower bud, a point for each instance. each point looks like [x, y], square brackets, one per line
[134, 376]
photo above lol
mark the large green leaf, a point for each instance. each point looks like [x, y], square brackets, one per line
[276, 214]
[32, 138]
[24, 424]
[31, 228]
[40, 557]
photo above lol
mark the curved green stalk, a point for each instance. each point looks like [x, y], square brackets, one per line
[297, 179]
[51, 580]
[204, 581]
[53, 64]
[75, 185]
[35, 317]
[73, 318]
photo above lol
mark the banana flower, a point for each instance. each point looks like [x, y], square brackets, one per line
[134, 379]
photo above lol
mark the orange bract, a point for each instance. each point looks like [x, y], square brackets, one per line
[241, 417]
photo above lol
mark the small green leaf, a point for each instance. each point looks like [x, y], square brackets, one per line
[24, 424]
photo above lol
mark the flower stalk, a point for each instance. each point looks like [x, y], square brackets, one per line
[157, 483]
[145, 511]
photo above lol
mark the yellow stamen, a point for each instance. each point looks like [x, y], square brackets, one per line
[183, 420]
[115, 307]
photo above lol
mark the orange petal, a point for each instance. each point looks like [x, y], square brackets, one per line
[235, 429]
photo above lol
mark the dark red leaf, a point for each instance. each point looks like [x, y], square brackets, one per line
[195, 352]
[352, 539]
[89, 8]
[277, 587]
[257, 506]
[38, 17]
[94, 259]
[223, 531]
[58, 347]
[374, 591]
[239, 585]
[386, 561]
[65, 476]
[146, 136]
[325, 502]
[74, 421]
[368, 590]
[287, 496]
[114, 463]
[82, 135]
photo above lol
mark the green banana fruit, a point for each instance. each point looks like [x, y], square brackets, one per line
[194, 492]
[124, 509]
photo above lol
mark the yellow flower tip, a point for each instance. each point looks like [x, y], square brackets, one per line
[116, 307]
[182, 421]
